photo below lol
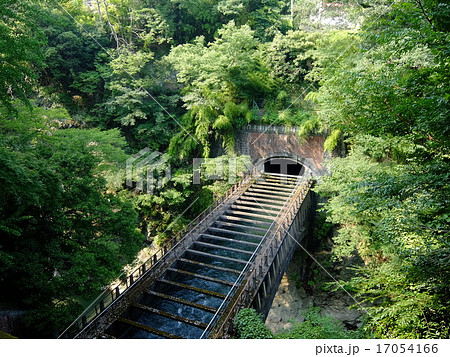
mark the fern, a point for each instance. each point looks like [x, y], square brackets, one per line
[228, 144]
[203, 121]
[182, 145]
[239, 114]
[332, 140]
[307, 127]
[223, 123]
[232, 110]
[261, 83]
[282, 100]
[226, 133]
[248, 117]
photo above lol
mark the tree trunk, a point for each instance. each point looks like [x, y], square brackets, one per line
[113, 33]
[99, 11]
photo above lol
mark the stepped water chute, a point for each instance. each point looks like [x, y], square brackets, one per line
[191, 290]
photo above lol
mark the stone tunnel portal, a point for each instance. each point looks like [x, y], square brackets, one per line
[283, 165]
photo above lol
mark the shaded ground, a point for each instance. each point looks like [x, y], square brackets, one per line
[305, 285]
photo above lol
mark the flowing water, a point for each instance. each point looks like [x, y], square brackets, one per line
[186, 296]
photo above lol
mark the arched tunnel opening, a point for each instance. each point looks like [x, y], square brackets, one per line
[283, 165]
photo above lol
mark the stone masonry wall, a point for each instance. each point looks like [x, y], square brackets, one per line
[260, 145]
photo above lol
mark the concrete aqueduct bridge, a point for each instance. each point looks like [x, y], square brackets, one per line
[230, 257]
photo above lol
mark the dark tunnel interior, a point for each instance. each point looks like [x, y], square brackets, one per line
[283, 166]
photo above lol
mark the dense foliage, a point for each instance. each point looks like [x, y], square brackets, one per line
[317, 326]
[63, 235]
[86, 84]
[390, 195]
[249, 325]
[19, 49]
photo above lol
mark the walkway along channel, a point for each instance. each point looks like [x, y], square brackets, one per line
[232, 256]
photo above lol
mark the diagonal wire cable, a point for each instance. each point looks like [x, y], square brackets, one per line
[112, 284]
[322, 267]
[325, 70]
[129, 74]
[172, 223]
[179, 216]
[359, 303]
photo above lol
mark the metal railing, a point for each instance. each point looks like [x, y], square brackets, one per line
[255, 274]
[110, 295]
[262, 128]
[252, 274]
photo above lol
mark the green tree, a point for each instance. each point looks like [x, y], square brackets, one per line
[389, 99]
[393, 215]
[290, 56]
[266, 19]
[64, 235]
[163, 212]
[20, 51]
[206, 17]
[220, 79]
[69, 52]
[138, 100]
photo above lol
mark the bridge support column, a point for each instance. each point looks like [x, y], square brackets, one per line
[269, 276]
[258, 302]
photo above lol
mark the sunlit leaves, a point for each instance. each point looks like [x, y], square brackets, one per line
[289, 56]
[390, 195]
[214, 76]
[20, 52]
[64, 235]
